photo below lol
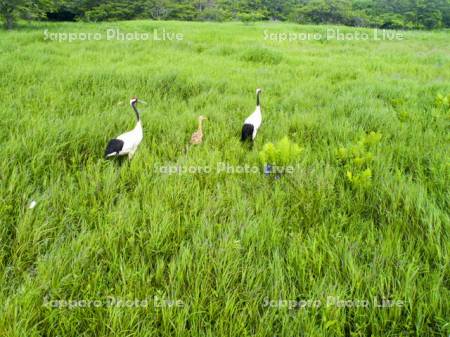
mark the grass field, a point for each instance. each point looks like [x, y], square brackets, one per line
[217, 253]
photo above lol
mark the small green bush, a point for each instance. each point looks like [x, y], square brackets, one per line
[356, 159]
[403, 116]
[442, 101]
[282, 153]
[361, 179]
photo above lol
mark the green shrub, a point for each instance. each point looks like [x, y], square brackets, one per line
[213, 14]
[247, 18]
[403, 116]
[361, 179]
[442, 101]
[356, 159]
[280, 154]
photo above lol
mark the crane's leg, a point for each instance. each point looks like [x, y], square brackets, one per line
[130, 155]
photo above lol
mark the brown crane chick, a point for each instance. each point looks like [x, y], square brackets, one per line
[197, 136]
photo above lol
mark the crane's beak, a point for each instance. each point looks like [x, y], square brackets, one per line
[141, 101]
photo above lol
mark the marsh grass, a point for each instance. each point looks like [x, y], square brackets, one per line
[222, 243]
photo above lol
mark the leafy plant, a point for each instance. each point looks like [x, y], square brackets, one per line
[280, 154]
[361, 179]
[442, 101]
[373, 138]
[356, 159]
[403, 116]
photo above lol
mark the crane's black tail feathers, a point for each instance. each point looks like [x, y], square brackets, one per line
[113, 148]
[247, 132]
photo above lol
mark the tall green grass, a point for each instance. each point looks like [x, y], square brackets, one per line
[222, 244]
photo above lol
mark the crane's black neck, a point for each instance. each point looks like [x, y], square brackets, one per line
[257, 98]
[138, 115]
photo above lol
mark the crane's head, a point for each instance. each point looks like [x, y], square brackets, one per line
[134, 100]
[258, 91]
[202, 118]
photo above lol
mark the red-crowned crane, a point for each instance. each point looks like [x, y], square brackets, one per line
[253, 122]
[128, 142]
